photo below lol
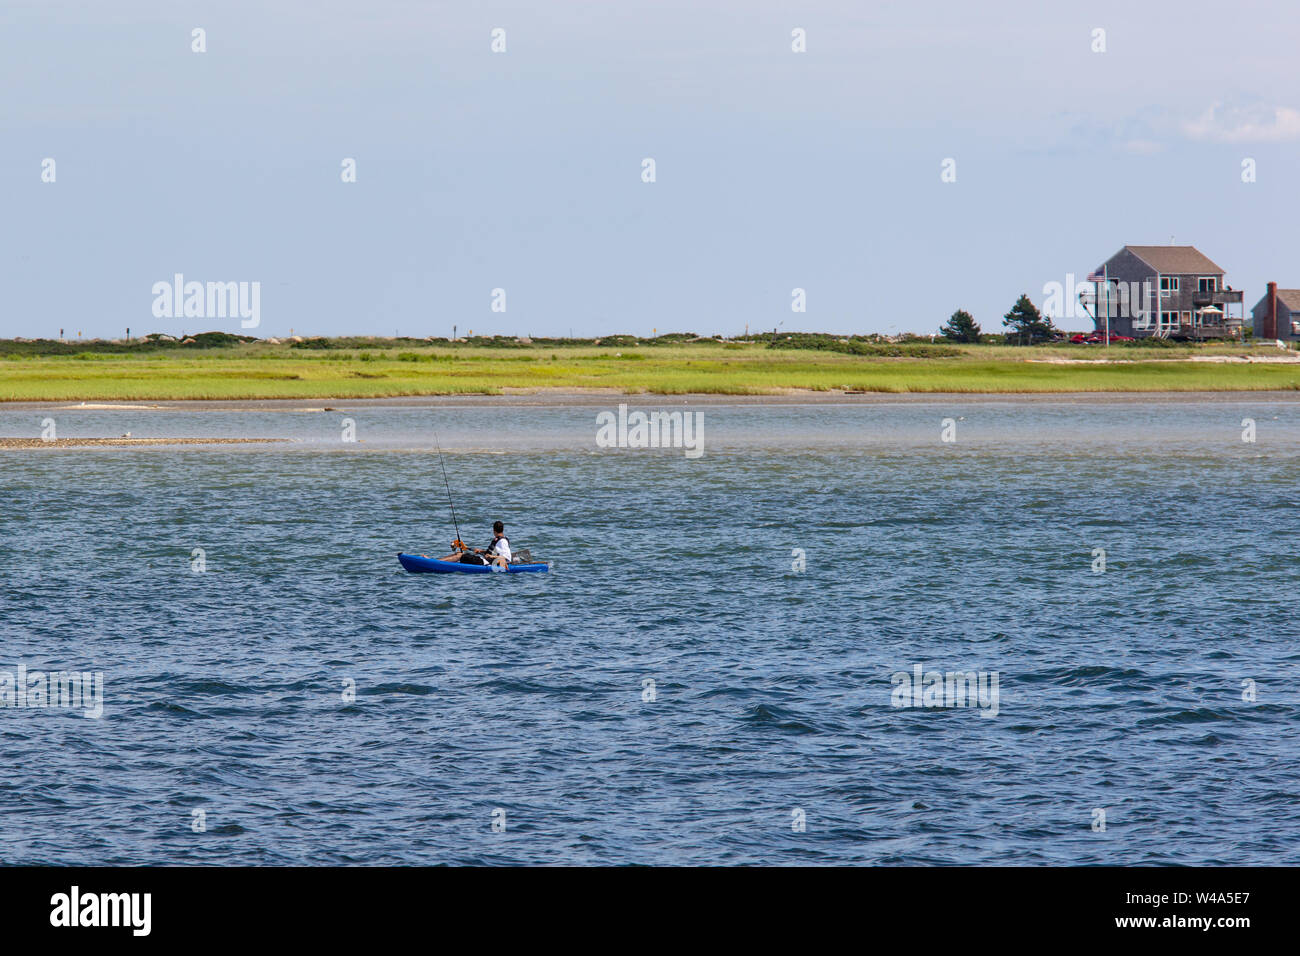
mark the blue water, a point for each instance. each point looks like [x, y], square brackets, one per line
[522, 695]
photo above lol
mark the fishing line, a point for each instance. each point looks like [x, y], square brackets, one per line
[451, 503]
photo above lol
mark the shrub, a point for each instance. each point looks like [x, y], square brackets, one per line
[1152, 343]
[860, 345]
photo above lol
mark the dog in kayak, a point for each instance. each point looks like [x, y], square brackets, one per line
[498, 552]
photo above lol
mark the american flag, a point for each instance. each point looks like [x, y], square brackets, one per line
[1097, 275]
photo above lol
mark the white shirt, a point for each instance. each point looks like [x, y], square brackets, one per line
[501, 547]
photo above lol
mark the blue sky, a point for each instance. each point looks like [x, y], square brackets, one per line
[522, 170]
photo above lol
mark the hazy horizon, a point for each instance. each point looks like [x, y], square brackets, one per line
[522, 170]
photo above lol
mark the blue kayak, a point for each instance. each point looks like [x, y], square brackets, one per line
[422, 562]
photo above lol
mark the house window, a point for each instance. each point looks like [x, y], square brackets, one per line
[1168, 320]
[1207, 284]
[1169, 283]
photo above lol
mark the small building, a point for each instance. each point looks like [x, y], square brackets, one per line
[1277, 315]
[1166, 292]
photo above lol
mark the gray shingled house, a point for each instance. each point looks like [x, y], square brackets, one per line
[1165, 291]
[1277, 315]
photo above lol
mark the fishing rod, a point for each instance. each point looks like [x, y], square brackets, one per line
[451, 503]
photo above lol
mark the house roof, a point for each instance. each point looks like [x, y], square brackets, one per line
[1288, 297]
[1175, 260]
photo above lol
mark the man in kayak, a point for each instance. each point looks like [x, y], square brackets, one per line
[498, 552]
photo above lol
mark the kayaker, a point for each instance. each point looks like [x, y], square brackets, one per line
[498, 551]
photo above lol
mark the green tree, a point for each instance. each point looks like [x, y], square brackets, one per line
[961, 327]
[1025, 325]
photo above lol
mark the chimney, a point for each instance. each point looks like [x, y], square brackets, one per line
[1270, 320]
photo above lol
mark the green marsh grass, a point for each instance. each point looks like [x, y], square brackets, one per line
[261, 370]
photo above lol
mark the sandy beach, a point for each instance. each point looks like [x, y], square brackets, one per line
[547, 398]
[15, 443]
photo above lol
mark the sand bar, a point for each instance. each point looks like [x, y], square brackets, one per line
[607, 399]
[126, 442]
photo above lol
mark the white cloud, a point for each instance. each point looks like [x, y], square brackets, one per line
[1256, 123]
